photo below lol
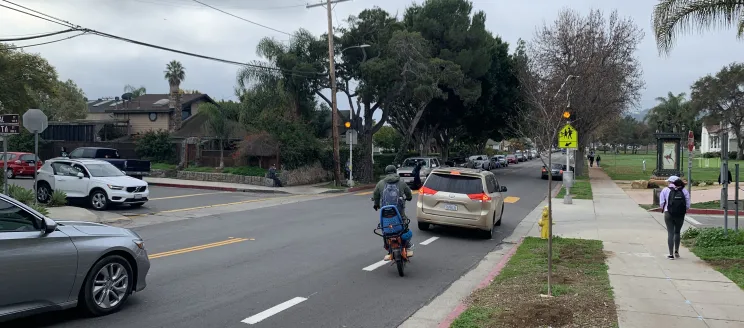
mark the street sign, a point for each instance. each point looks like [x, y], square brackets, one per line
[690, 141]
[9, 119]
[351, 137]
[568, 137]
[9, 129]
[35, 121]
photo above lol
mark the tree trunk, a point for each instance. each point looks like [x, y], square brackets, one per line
[407, 138]
[222, 154]
[579, 161]
[366, 169]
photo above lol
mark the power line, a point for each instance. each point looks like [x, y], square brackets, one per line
[56, 20]
[37, 36]
[43, 43]
[185, 5]
[103, 34]
[241, 18]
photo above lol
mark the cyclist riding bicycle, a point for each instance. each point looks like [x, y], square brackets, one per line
[391, 191]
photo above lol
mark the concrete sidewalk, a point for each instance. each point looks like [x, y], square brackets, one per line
[226, 186]
[650, 290]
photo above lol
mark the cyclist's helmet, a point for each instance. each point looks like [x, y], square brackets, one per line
[391, 169]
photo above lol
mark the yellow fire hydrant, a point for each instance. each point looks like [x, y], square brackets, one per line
[543, 223]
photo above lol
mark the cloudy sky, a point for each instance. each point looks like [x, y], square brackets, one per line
[103, 66]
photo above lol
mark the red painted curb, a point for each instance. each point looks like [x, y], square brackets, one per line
[174, 185]
[495, 272]
[703, 211]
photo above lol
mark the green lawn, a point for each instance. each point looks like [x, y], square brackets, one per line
[581, 289]
[711, 205]
[581, 189]
[162, 166]
[630, 167]
[724, 252]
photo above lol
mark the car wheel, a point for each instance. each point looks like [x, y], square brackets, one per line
[9, 174]
[423, 226]
[136, 205]
[43, 192]
[98, 200]
[107, 286]
[501, 216]
[489, 234]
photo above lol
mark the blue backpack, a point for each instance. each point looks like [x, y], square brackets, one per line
[391, 196]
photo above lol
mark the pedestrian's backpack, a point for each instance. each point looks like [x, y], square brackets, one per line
[391, 196]
[676, 203]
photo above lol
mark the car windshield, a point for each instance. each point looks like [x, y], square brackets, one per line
[455, 184]
[411, 162]
[557, 167]
[510, 156]
[104, 170]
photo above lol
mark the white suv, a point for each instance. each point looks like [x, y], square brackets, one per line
[98, 182]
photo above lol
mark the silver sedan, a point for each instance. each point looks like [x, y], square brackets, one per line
[48, 265]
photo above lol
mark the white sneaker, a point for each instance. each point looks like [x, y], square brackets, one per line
[387, 257]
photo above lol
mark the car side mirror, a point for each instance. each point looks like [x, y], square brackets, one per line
[80, 175]
[503, 189]
[49, 225]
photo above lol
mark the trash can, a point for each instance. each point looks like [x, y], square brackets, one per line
[657, 192]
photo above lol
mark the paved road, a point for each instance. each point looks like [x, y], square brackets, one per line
[169, 200]
[706, 221]
[309, 256]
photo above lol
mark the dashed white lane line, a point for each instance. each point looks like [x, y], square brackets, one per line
[274, 310]
[429, 241]
[376, 265]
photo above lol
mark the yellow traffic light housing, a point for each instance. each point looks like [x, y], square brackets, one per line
[347, 124]
[566, 114]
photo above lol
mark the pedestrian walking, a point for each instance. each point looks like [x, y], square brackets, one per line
[417, 175]
[591, 159]
[599, 158]
[272, 176]
[674, 201]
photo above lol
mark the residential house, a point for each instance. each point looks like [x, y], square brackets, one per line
[144, 113]
[710, 139]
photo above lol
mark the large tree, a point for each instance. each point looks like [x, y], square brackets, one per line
[676, 111]
[22, 76]
[135, 91]
[672, 17]
[175, 73]
[721, 96]
[65, 102]
[600, 51]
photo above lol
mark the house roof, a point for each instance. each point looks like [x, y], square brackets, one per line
[153, 103]
[713, 128]
[100, 105]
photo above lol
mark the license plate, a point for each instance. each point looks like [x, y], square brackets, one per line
[450, 207]
[138, 196]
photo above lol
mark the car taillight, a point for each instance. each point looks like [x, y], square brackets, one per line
[480, 197]
[544, 169]
[427, 191]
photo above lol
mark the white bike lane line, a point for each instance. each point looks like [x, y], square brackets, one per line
[252, 320]
[376, 265]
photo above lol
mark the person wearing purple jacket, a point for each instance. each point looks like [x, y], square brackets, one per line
[674, 202]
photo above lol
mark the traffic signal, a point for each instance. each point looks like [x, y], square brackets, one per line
[347, 124]
[566, 114]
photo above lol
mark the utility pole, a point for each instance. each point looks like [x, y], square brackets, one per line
[332, 73]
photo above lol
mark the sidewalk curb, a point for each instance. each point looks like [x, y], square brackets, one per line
[452, 316]
[702, 211]
[359, 188]
[188, 186]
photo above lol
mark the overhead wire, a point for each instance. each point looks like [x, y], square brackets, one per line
[241, 18]
[185, 5]
[111, 36]
[37, 36]
[43, 43]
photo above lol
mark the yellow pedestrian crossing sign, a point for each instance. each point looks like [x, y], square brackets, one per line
[568, 137]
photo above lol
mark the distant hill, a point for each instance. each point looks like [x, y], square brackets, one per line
[639, 115]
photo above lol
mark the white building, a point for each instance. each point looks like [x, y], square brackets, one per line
[710, 139]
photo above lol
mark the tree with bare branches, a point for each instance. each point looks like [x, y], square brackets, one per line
[601, 53]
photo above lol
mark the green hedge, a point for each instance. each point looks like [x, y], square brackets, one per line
[717, 154]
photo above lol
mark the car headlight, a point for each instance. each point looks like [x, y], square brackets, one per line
[112, 187]
[140, 243]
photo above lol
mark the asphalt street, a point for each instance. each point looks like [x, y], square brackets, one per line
[306, 264]
[166, 199]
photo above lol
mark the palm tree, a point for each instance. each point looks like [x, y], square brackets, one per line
[136, 92]
[674, 16]
[175, 73]
[673, 109]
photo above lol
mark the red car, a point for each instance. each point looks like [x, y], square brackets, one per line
[20, 164]
[512, 159]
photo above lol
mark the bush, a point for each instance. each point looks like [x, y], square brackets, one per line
[21, 194]
[39, 208]
[156, 146]
[58, 198]
[714, 237]
[250, 171]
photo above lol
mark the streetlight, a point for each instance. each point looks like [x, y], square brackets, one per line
[350, 133]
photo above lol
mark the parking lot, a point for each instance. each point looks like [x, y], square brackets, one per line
[167, 200]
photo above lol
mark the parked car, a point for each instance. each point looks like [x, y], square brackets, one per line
[20, 164]
[522, 157]
[132, 167]
[501, 159]
[405, 170]
[512, 159]
[479, 161]
[456, 162]
[48, 265]
[556, 170]
[461, 197]
[100, 183]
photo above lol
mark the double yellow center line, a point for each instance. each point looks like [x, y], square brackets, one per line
[199, 248]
